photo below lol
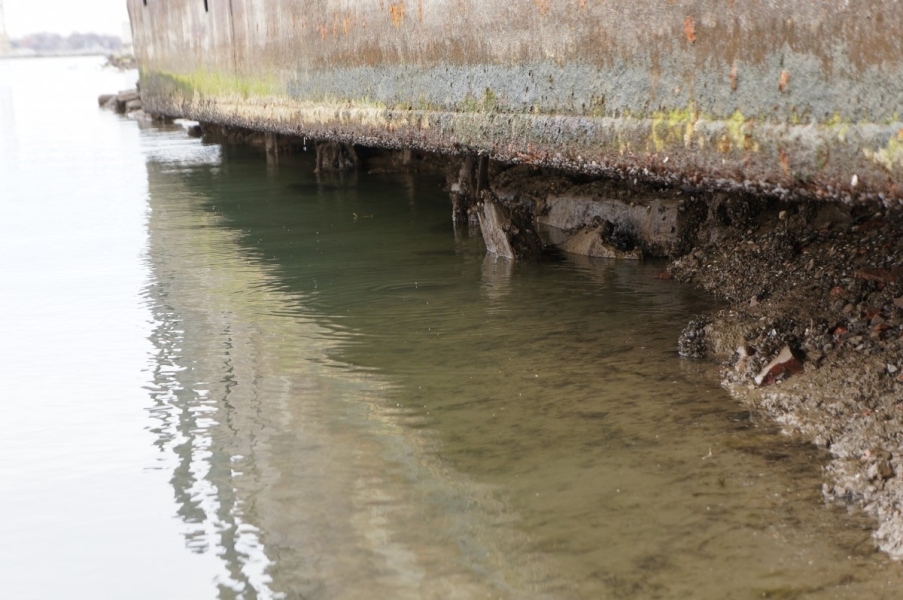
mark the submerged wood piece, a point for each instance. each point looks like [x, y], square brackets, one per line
[508, 230]
[335, 156]
[472, 179]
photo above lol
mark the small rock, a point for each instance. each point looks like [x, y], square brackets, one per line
[880, 470]
[783, 365]
[898, 302]
[892, 368]
[742, 358]
[879, 275]
[692, 342]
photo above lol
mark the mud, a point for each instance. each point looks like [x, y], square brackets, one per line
[822, 283]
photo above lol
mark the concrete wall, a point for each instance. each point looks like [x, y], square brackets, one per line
[801, 95]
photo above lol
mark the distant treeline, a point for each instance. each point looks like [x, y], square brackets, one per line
[50, 43]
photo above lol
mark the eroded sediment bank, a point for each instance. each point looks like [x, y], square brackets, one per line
[814, 331]
[823, 284]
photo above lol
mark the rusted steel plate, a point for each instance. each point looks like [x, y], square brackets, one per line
[799, 97]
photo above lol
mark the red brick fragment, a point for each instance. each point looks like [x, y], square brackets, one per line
[782, 366]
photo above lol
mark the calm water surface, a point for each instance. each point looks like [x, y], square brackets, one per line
[224, 379]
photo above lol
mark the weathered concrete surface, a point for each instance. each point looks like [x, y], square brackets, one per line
[613, 219]
[595, 241]
[656, 221]
[800, 97]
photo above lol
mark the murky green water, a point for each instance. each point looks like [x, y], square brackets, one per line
[229, 380]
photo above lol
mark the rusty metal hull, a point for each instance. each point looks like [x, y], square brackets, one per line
[800, 97]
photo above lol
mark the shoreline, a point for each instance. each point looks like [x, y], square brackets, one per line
[813, 337]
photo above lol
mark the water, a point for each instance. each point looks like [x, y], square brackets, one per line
[229, 380]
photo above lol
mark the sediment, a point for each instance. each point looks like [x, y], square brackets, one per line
[813, 335]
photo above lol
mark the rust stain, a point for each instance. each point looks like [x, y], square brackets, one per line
[349, 22]
[724, 144]
[785, 163]
[690, 29]
[605, 35]
[396, 9]
[785, 79]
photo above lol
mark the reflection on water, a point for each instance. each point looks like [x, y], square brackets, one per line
[364, 404]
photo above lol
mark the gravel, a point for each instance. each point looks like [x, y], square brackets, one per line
[826, 281]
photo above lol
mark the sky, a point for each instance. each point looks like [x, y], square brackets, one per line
[65, 16]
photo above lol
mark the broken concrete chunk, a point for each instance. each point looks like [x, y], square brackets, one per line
[595, 241]
[783, 365]
[127, 95]
[654, 221]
